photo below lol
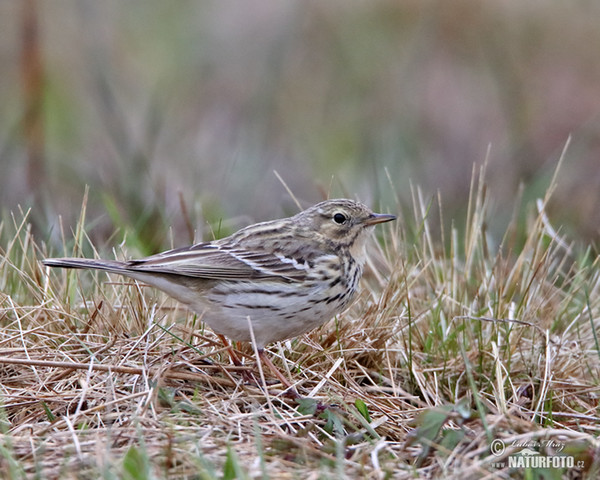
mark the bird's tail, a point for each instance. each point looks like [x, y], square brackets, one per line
[86, 263]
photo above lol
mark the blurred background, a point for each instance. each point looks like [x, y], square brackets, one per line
[177, 114]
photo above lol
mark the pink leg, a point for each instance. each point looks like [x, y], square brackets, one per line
[267, 361]
[234, 358]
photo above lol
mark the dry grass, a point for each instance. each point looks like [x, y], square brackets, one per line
[448, 349]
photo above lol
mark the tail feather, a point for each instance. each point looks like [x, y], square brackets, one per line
[85, 263]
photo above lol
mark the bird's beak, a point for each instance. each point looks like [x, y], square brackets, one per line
[376, 218]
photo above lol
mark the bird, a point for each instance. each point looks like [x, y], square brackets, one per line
[267, 282]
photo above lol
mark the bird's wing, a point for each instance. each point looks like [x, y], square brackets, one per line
[217, 262]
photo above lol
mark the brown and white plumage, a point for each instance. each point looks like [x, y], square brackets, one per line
[287, 276]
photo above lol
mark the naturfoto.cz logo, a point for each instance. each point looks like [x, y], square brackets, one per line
[529, 458]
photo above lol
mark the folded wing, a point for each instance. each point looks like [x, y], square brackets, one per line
[218, 262]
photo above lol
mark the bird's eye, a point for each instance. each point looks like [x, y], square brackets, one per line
[340, 218]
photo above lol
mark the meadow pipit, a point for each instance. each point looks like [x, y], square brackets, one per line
[284, 276]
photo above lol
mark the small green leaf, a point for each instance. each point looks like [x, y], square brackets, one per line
[232, 468]
[166, 396]
[430, 425]
[450, 439]
[307, 406]
[431, 422]
[229, 467]
[362, 409]
[333, 423]
[49, 413]
[135, 465]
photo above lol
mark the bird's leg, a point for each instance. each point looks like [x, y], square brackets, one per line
[234, 357]
[263, 357]
[248, 377]
[291, 391]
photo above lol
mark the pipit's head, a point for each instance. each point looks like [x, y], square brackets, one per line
[342, 222]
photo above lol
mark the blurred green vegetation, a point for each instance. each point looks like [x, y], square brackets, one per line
[157, 104]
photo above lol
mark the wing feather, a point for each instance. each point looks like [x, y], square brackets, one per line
[218, 262]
